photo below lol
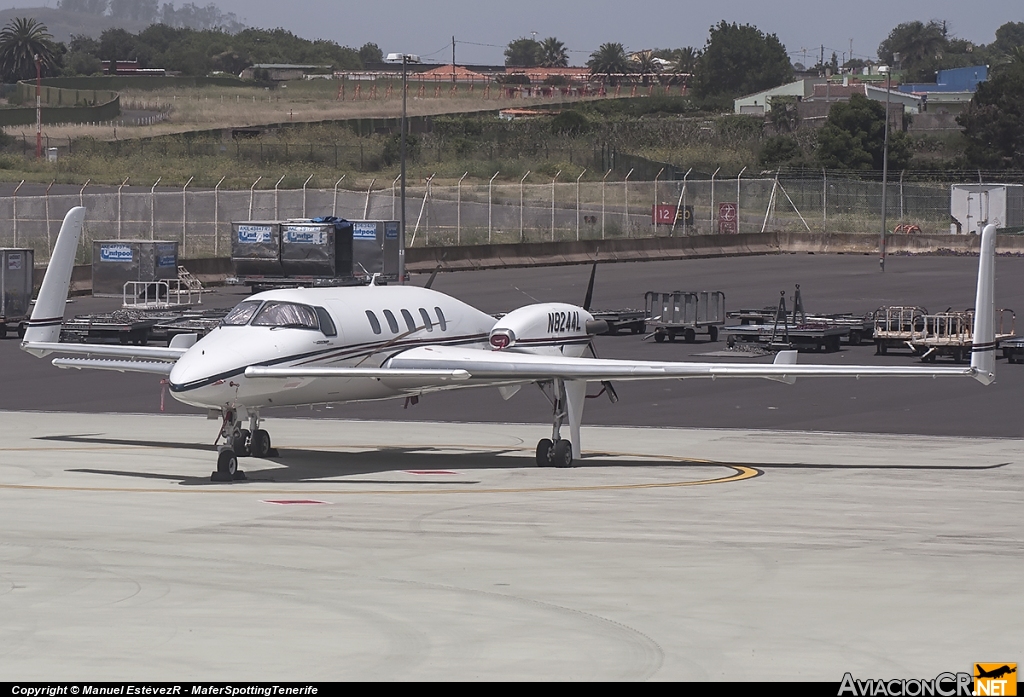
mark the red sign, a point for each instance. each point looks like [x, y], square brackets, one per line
[728, 220]
[663, 214]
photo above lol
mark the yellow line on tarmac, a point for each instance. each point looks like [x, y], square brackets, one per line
[740, 473]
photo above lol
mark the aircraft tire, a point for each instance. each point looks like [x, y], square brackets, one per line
[545, 451]
[240, 442]
[562, 453]
[227, 466]
[260, 443]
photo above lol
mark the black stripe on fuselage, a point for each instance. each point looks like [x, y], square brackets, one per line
[327, 355]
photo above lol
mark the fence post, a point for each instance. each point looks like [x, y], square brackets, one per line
[426, 206]
[681, 206]
[393, 196]
[277, 208]
[522, 187]
[423, 205]
[490, 185]
[738, 198]
[152, 209]
[184, 216]
[304, 193]
[119, 206]
[654, 217]
[625, 191]
[712, 220]
[553, 205]
[458, 211]
[824, 199]
[334, 210]
[578, 203]
[251, 188]
[604, 182]
[216, 218]
[902, 173]
[15, 213]
[366, 206]
[49, 245]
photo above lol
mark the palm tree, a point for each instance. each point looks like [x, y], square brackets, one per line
[685, 60]
[20, 42]
[645, 64]
[609, 60]
[553, 53]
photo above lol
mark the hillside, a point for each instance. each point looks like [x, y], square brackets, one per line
[62, 24]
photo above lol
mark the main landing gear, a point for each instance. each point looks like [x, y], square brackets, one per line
[567, 401]
[239, 442]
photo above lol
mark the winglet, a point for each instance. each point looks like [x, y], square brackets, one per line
[785, 358]
[983, 350]
[48, 314]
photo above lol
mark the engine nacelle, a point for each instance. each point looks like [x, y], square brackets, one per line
[546, 328]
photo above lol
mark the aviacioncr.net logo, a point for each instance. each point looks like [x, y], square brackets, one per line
[942, 685]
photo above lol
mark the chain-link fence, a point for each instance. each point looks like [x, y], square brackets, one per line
[491, 212]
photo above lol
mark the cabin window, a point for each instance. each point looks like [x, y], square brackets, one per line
[426, 320]
[286, 316]
[242, 313]
[374, 324]
[407, 316]
[440, 319]
[326, 323]
[392, 322]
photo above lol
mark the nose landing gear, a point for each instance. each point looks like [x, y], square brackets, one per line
[240, 442]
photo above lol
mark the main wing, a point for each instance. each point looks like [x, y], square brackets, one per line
[435, 364]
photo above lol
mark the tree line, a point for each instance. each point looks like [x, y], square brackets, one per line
[188, 51]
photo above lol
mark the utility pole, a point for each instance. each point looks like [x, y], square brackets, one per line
[453, 60]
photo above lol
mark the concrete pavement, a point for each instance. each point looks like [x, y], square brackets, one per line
[438, 551]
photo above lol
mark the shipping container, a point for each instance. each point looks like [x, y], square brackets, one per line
[16, 266]
[115, 262]
[973, 206]
[256, 248]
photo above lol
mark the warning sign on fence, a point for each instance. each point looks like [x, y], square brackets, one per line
[728, 220]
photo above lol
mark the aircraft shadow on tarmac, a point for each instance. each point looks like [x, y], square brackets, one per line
[293, 465]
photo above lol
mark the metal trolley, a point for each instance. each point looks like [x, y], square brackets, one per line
[684, 313]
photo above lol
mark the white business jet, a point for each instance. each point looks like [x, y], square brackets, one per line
[322, 345]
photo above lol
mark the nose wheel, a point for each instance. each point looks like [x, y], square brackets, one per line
[240, 442]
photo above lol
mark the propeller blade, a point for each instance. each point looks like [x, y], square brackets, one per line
[433, 274]
[590, 288]
[613, 396]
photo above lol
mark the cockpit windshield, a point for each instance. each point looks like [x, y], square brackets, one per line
[242, 313]
[288, 315]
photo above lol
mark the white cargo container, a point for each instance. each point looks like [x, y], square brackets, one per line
[973, 206]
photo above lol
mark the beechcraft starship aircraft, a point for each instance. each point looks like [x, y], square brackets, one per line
[321, 345]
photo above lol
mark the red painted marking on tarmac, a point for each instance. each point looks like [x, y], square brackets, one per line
[294, 502]
[430, 472]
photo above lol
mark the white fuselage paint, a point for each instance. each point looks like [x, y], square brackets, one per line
[211, 373]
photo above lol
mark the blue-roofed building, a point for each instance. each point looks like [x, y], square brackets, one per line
[951, 80]
[948, 95]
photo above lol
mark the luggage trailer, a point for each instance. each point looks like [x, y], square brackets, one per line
[683, 313]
